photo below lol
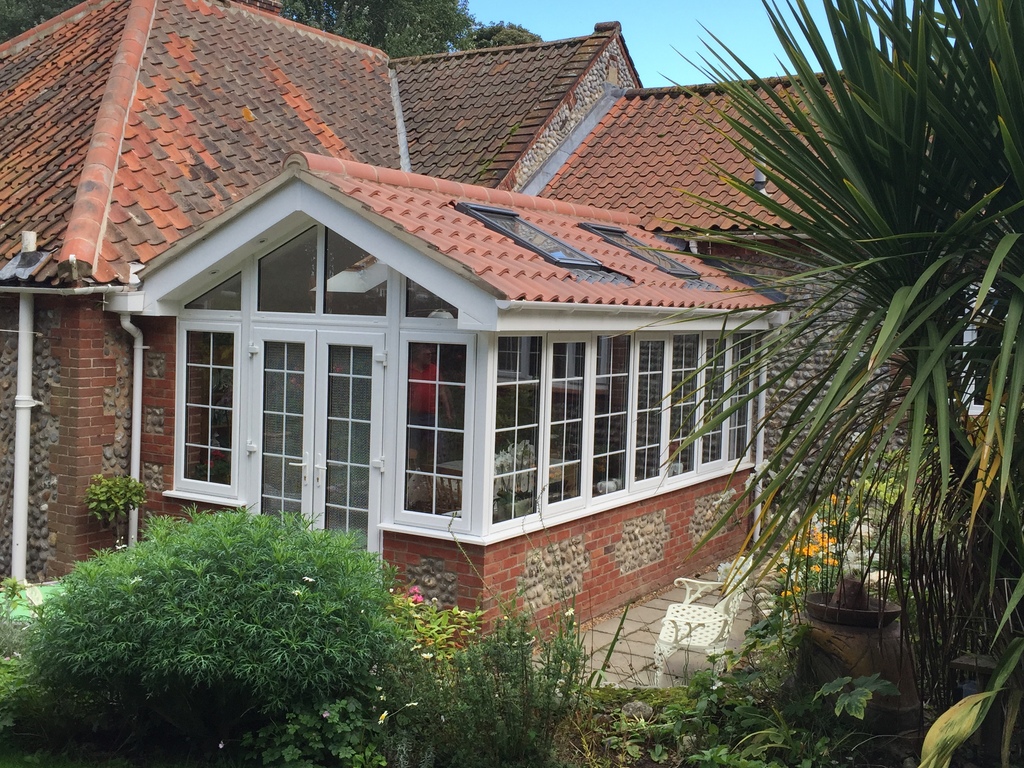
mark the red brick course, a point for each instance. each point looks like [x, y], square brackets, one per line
[490, 575]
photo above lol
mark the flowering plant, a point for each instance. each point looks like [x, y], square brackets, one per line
[816, 555]
[436, 632]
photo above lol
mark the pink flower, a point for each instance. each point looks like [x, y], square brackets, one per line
[415, 595]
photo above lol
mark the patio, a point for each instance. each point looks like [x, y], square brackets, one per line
[631, 663]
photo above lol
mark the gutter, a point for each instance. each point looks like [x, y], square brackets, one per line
[520, 305]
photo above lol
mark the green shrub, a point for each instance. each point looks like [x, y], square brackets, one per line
[213, 626]
[339, 733]
[497, 702]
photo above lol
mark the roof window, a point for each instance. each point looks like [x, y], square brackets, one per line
[527, 235]
[651, 255]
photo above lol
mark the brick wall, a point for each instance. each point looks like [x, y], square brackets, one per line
[587, 553]
[158, 393]
[77, 402]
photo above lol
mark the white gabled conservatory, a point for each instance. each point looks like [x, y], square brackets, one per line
[329, 363]
[316, 379]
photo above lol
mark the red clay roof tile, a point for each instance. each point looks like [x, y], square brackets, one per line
[471, 115]
[653, 147]
[214, 96]
[425, 207]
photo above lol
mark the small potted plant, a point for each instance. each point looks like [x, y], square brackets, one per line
[110, 499]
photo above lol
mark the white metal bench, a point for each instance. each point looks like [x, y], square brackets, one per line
[694, 626]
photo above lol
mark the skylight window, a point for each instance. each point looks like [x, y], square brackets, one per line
[527, 235]
[662, 261]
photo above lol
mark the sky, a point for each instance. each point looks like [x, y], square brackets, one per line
[660, 34]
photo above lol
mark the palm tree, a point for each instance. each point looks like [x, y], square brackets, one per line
[900, 170]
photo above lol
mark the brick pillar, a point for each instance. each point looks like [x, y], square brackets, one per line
[77, 402]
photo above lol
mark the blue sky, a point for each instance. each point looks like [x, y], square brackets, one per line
[653, 29]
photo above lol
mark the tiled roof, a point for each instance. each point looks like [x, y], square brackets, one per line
[51, 82]
[649, 148]
[470, 116]
[203, 99]
[424, 207]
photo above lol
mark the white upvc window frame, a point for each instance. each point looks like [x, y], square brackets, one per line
[566, 507]
[472, 473]
[588, 501]
[659, 479]
[201, 490]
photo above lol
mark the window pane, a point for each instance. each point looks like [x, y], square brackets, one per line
[714, 378]
[355, 282]
[650, 382]
[284, 386]
[348, 411]
[209, 395]
[742, 370]
[516, 427]
[419, 302]
[435, 431]
[683, 413]
[567, 381]
[226, 296]
[287, 276]
[611, 408]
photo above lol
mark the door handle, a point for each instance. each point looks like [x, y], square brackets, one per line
[304, 464]
[321, 469]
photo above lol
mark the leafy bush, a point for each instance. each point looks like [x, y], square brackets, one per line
[340, 732]
[497, 702]
[215, 625]
[111, 497]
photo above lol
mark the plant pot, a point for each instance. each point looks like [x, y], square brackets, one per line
[819, 605]
[849, 642]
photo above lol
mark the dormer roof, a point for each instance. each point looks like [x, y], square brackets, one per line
[492, 116]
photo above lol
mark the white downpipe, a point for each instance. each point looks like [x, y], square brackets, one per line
[759, 456]
[23, 404]
[136, 449]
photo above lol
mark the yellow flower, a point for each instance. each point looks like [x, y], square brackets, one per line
[383, 717]
[815, 569]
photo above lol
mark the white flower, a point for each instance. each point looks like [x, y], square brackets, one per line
[309, 579]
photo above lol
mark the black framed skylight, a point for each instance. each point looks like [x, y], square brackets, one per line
[620, 239]
[529, 236]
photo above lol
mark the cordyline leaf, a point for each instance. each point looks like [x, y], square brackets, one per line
[952, 728]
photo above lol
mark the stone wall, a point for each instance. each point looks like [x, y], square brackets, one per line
[42, 489]
[594, 564]
[611, 67]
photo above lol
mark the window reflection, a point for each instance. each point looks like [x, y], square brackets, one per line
[435, 429]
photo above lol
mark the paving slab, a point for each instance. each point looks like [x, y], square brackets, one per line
[631, 664]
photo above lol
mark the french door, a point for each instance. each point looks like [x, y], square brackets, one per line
[320, 431]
